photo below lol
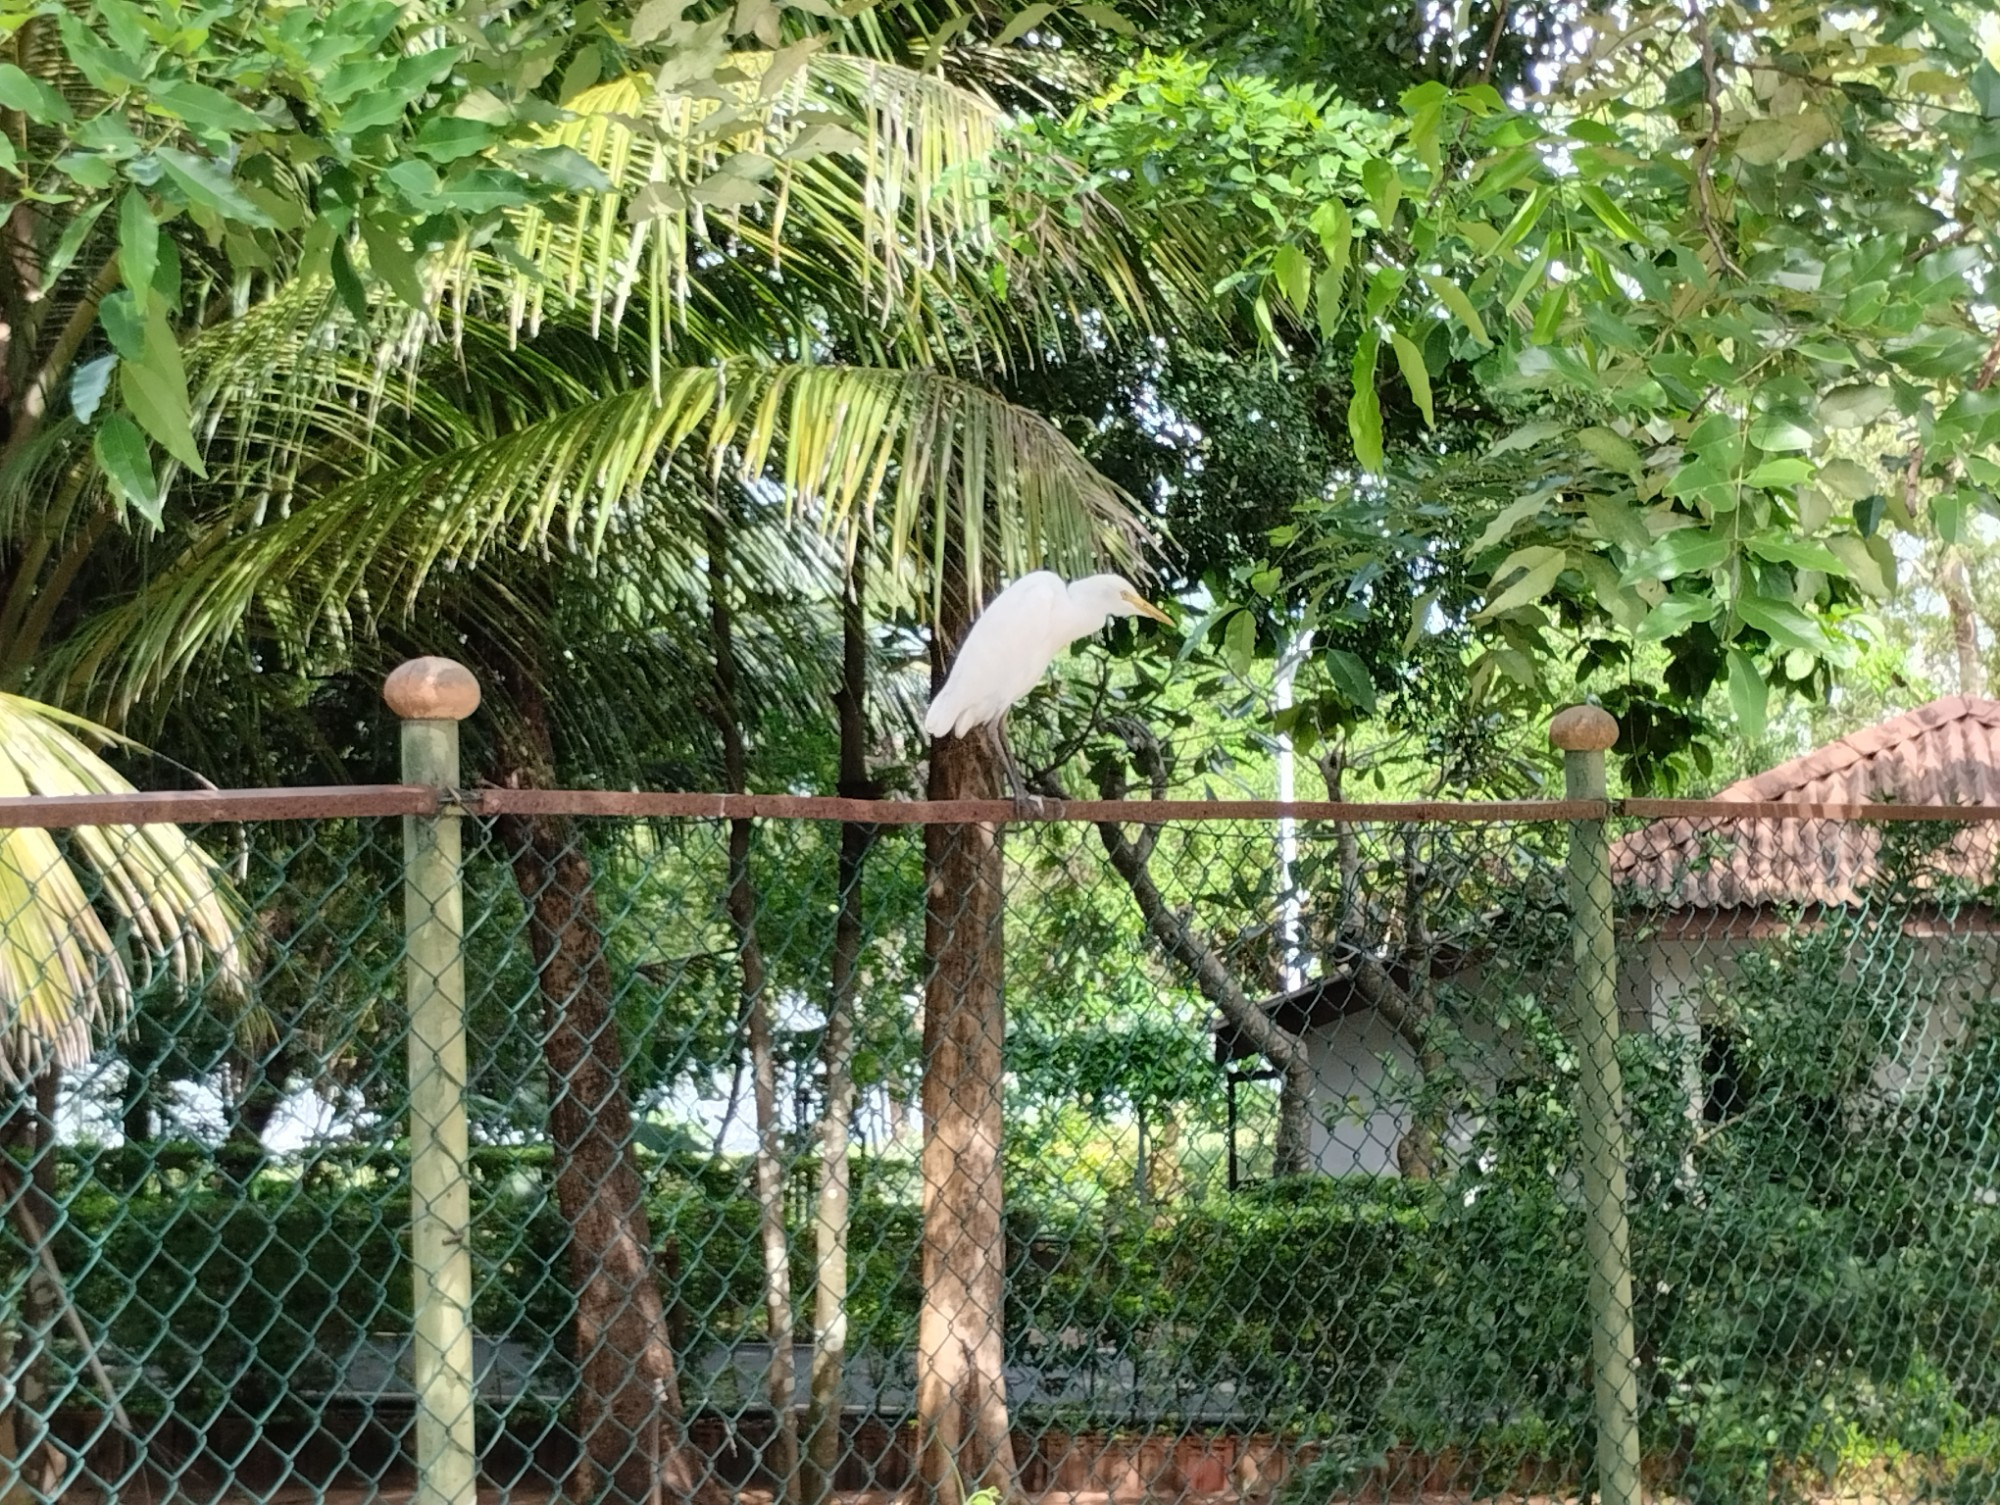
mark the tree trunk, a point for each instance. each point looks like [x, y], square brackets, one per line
[1417, 1150]
[37, 1464]
[833, 1213]
[1957, 592]
[629, 1406]
[962, 1422]
[780, 1378]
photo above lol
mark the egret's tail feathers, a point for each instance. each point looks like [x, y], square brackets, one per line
[938, 720]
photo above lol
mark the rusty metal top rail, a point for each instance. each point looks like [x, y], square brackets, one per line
[188, 807]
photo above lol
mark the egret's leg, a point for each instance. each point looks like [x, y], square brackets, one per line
[1026, 806]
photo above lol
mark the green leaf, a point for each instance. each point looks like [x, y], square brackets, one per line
[725, 191]
[1384, 283]
[107, 71]
[1533, 572]
[87, 170]
[1328, 290]
[1674, 615]
[1614, 219]
[1452, 296]
[121, 454]
[123, 318]
[385, 104]
[199, 105]
[1351, 678]
[655, 18]
[1625, 605]
[1364, 408]
[1239, 643]
[1024, 21]
[1786, 139]
[1855, 407]
[1293, 274]
[1785, 472]
[1335, 228]
[1510, 517]
[127, 26]
[392, 261]
[415, 182]
[1948, 515]
[1384, 189]
[562, 167]
[1781, 622]
[347, 282]
[87, 385]
[138, 243]
[207, 185]
[1685, 551]
[584, 70]
[70, 242]
[1617, 523]
[1612, 450]
[1420, 614]
[1779, 431]
[480, 190]
[1802, 553]
[1871, 564]
[446, 138]
[1527, 436]
[154, 390]
[1748, 694]
[1425, 119]
[1847, 480]
[1549, 315]
[1411, 361]
[32, 97]
[1107, 17]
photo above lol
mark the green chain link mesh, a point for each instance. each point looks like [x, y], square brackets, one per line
[206, 1248]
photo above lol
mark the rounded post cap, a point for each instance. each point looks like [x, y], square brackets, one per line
[432, 689]
[1583, 728]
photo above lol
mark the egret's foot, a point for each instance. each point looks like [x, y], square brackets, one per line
[1031, 807]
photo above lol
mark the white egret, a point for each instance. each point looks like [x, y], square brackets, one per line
[1012, 644]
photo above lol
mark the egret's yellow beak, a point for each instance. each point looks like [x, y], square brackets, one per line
[1146, 608]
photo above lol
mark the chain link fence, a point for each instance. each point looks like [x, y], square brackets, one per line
[1195, 1159]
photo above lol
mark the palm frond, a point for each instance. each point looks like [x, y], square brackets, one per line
[64, 977]
[905, 459]
[877, 188]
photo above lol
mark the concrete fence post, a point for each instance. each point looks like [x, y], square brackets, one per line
[1583, 733]
[432, 695]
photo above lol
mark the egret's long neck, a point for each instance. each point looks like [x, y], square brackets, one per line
[1074, 621]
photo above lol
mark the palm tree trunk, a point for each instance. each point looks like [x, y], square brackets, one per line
[832, 1216]
[629, 1407]
[781, 1379]
[961, 1392]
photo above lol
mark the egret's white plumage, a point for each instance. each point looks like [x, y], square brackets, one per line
[1018, 636]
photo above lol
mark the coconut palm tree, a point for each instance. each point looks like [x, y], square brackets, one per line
[791, 270]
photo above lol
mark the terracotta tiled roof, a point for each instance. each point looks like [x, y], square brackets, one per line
[1944, 753]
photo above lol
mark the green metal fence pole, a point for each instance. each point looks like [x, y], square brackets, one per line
[1583, 733]
[433, 695]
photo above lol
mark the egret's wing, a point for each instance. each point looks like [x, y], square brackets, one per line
[1004, 655]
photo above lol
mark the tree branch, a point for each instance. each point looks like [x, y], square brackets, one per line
[34, 404]
[1704, 157]
[1175, 937]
